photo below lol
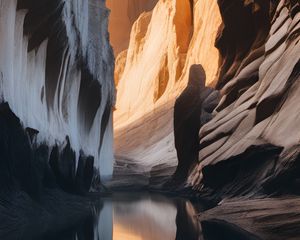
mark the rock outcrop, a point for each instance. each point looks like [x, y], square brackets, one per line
[256, 219]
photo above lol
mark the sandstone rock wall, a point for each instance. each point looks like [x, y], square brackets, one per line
[255, 131]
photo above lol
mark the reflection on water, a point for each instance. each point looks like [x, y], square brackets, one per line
[137, 217]
[147, 218]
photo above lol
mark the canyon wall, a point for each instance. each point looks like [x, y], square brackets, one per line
[153, 71]
[255, 128]
[56, 76]
[154, 65]
[248, 165]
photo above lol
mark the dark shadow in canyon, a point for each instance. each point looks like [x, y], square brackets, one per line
[192, 110]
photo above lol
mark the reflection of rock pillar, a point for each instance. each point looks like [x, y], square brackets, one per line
[86, 230]
[105, 222]
[187, 224]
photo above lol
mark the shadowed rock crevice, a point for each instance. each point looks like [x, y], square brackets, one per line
[44, 21]
[32, 186]
[268, 106]
[254, 24]
[162, 81]
[29, 167]
[242, 175]
[286, 179]
[90, 97]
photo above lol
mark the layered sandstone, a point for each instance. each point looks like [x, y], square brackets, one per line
[255, 129]
[249, 152]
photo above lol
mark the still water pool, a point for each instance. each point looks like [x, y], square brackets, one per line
[146, 217]
[141, 216]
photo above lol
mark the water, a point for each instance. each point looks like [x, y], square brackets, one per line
[137, 217]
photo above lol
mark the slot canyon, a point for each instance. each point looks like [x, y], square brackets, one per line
[149, 119]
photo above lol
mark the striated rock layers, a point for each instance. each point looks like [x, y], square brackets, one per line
[154, 70]
[250, 148]
[56, 77]
[257, 113]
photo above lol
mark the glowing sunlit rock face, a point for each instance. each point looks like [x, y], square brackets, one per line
[163, 46]
[154, 70]
[155, 58]
[56, 73]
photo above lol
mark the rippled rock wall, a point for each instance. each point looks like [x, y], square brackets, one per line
[255, 124]
[249, 152]
[56, 76]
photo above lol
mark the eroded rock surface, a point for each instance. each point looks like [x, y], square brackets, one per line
[258, 110]
[56, 96]
[249, 151]
[56, 73]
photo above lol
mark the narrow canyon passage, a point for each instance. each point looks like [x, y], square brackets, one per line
[149, 119]
[160, 41]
